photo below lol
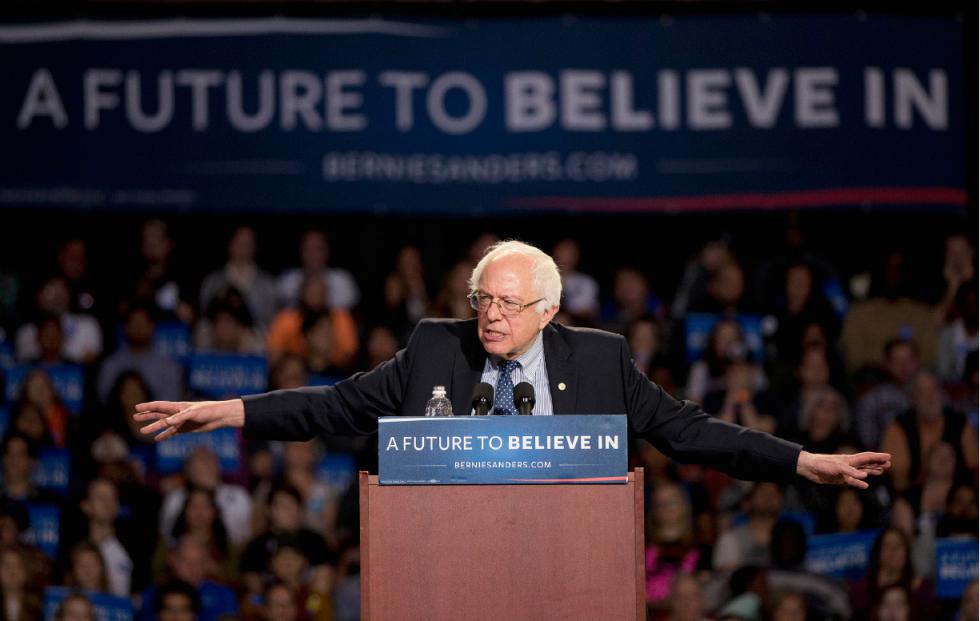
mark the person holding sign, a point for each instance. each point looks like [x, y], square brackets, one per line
[515, 289]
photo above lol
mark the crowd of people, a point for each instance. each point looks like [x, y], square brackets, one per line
[269, 530]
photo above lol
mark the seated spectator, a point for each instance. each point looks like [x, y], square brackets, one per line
[889, 314]
[82, 334]
[913, 434]
[643, 336]
[18, 458]
[824, 422]
[73, 267]
[157, 282]
[243, 273]
[960, 518]
[726, 345]
[202, 469]
[451, 299]
[406, 294]
[851, 513]
[802, 305]
[739, 402]
[314, 250]
[162, 373]
[190, 571]
[939, 473]
[748, 544]
[19, 598]
[129, 388]
[100, 511]
[969, 603]
[788, 547]
[299, 462]
[288, 372]
[75, 607]
[880, 405]
[725, 292]
[697, 273]
[38, 391]
[671, 549]
[287, 335]
[893, 603]
[890, 564]
[812, 376]
[959, 338]
[285, 518]
[686, 600]
[278, 603]
[580, 292]
[789, 606]
[958, 268]
[28, 419]
[200, 518]
[290, 565]
[86, 568]
[323, 357]
[50, 340]
[381, 345]
[228, 327]
[632, 299]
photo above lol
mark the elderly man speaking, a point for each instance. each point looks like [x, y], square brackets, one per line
[515, 290]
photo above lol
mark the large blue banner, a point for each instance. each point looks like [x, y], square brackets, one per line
[502, 449]
[639, 114]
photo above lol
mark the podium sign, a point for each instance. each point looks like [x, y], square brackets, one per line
[480, 450]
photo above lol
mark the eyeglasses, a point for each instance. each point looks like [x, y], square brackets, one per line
[508, 308]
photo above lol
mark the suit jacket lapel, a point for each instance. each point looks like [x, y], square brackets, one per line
[467, 368]
[562, 376]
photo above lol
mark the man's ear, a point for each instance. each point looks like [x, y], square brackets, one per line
[547, 316]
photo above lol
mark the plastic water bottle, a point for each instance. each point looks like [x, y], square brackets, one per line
[438, 405]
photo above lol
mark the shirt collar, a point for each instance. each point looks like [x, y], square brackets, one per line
[528, 359]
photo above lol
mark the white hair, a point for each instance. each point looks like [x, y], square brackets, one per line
[545, 277]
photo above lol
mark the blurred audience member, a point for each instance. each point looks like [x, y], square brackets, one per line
[38, 391]
[788, 573]
[100, 511]
[243, 273]
[824, 421]
[406, 294]
[19, 599]
[959, 267]
[82, 336]
[739, 402]
[912, 435]
[880, 405]
[803, 304]
[632, 299]
[381, 346]
[229, 327]
[190, 572]
[959, 338]
[162, 373]
[87, 569]
[579, 292]
[73, 267]
[697, 273]
[451, 299]
[670, 548]
[686, 600]
[289, 333]
[75, 607]
[157, 283]
[726, 346]
[748, 544]
[314, 254]
[202, 470]
[890, 564]
[200, 518]
[888, 314]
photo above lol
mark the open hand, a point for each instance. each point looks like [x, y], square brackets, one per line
[842, 469]
[168, 418]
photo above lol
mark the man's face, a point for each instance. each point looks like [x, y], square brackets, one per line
[176, 607]
[509, 278]
[902, 363]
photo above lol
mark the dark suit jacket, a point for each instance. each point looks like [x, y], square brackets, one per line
[594, 366]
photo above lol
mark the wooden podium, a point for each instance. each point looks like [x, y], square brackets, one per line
[502, 552]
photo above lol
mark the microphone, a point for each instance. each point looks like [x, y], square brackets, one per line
[524, 398]
[482, 398]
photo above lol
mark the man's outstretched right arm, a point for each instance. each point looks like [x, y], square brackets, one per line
[351, 407]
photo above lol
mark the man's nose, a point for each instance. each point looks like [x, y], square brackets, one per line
[493, 312]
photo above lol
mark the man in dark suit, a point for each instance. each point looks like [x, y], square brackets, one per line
[515, 290]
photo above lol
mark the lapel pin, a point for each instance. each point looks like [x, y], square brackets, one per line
[561, 385]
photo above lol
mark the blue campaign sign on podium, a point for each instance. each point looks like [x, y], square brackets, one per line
[479, 450]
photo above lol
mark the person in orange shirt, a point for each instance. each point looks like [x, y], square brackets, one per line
[286, 334]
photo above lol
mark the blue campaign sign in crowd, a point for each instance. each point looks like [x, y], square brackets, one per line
[219, 376]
